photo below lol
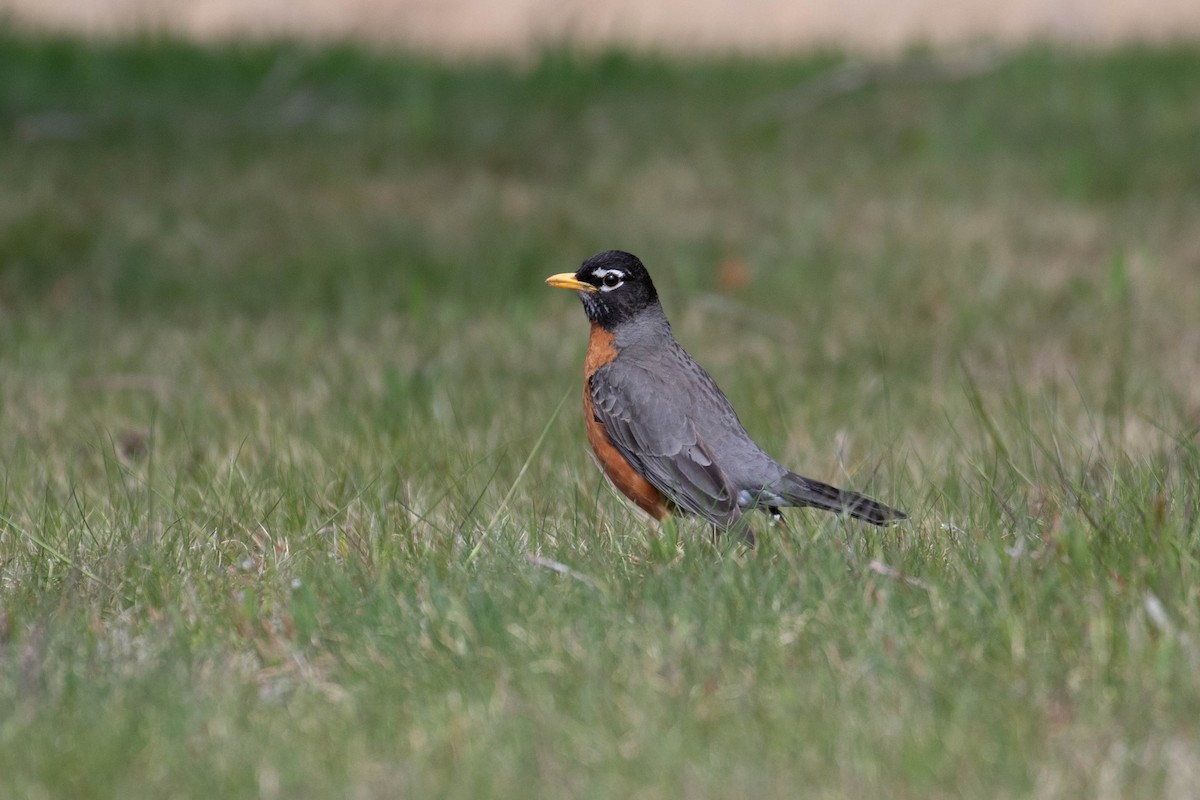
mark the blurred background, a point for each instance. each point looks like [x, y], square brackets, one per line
[517, 26]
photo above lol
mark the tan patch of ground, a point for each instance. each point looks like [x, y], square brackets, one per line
[517, 26]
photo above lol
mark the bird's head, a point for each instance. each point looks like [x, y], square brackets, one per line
[613, 285]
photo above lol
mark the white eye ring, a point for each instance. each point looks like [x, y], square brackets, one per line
[609, 278]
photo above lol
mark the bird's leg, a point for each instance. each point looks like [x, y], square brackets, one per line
[748, 537]
[741, 527]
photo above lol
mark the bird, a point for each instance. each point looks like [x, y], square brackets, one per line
[662, 431]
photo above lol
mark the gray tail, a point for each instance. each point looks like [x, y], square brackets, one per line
[801, 491]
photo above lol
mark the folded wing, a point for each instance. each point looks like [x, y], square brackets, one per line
[655, 436]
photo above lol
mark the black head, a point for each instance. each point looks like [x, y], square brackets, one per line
[613, 285]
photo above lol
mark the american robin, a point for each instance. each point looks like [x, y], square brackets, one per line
[663, 431]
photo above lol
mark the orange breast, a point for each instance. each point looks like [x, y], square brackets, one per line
[601, 351]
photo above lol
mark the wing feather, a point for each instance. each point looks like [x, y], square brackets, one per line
[654, 435]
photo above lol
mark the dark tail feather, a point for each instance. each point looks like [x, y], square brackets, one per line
[801, 491]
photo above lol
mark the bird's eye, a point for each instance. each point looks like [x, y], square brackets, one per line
[611, 279]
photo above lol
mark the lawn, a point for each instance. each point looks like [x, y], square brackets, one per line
[295, 499]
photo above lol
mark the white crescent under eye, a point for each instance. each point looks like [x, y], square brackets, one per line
[609, 278]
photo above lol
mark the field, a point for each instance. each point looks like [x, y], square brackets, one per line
[294, 494]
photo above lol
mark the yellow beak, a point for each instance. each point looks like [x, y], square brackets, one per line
[565, 280]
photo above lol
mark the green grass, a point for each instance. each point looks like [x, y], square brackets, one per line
[275, 351]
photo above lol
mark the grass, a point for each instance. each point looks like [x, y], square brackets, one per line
[282, 481]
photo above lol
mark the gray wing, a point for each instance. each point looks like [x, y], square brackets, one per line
[654, 435]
